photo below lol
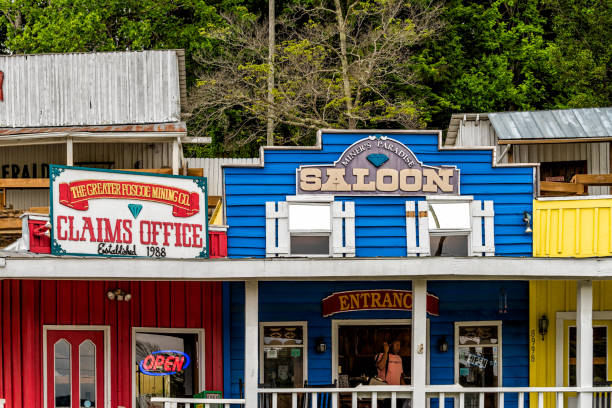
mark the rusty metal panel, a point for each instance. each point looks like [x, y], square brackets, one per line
[90, 89]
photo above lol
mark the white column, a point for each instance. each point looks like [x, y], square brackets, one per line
[419, 341]
[69, 152]
[175, 157]
[584, 341]
[251, 342]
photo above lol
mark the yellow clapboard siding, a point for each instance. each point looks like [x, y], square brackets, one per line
[572, 228]
[548, 298]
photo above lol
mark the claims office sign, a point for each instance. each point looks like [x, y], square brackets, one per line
[118, 213]
[378, 165]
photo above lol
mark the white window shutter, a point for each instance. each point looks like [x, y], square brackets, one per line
[277, 229]
[480, 211]
[343, 233]
[411, 229]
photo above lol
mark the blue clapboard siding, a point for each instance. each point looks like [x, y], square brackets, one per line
[380, 224]
[459, 301]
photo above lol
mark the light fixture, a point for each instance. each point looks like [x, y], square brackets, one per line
[320, 346]
[502, 299]
[442, 344]
[543, 326]
[118, 295]
[527, 221]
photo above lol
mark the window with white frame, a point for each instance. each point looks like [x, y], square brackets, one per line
[478, 359]
[450, 226]
[283, 354]
[310, 226]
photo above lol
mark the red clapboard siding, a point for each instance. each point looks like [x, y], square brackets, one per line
[25, 306]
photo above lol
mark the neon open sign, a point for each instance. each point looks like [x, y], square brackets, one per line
[164, 362]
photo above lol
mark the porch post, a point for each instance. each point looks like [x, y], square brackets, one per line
[251, 342]
[419, 341]
[584, 341]
[69, 152]
[175, 157]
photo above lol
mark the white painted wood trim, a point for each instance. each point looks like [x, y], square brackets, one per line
[165, 330]
[310, 198]
[584, 340]
[277, 224]
[411, 235]
[107, 357]
[304, 346]
[423, 208]
[419, 341]
[176, 157]
[336, 323]
[69, 152]
[342, 232]
[479, 211]
[560, 354]
[251, 342]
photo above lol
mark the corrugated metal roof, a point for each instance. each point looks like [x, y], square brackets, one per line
[82, 89]
[588, 123]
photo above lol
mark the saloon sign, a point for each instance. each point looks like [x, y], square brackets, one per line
[383, 299]
[117, 213]
[378, 165]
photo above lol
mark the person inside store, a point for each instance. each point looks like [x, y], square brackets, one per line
[391, 370]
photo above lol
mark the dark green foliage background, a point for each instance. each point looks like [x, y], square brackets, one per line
[490, 56]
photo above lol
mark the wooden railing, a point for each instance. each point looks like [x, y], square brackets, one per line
[197, 402]
[578, 185]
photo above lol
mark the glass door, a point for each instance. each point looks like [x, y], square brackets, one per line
[75, 369]
[601, 350]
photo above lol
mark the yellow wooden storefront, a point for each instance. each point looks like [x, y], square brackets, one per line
[577, 227]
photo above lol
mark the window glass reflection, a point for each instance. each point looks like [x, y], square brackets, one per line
[449, 216]
[309, 217]
[61, 366]
[87, 374]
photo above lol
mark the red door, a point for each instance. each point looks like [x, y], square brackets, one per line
[75, 369]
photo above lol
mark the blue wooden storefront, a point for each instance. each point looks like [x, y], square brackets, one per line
[380, 231]
[459, 301]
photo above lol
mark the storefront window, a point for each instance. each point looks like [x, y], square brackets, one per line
[449, 228]
[600, 354]
[478, 348]
[62, 374]
[284, 349]
[87, 374]
[310, 228]
[167, 365]
[358, 346]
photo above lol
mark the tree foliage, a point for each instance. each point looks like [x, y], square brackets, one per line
[342, 63]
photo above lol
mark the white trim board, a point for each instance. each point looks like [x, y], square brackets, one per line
[430, 268]
[560, 336]
[107, 357]
[167, 330]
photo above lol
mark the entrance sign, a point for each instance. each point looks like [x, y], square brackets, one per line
[164, 362]
[380, 299]
[118, 213]
[378, 165]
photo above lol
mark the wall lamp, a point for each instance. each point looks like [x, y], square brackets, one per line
[543, 326]
[527, 221]
[442, 344]
[119, 295]
[320, 345]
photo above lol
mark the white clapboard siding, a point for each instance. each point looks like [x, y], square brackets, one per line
[277, 229]
[412, 249]
[213, 171]
[90, 89]
[480, 248]
[343, 229]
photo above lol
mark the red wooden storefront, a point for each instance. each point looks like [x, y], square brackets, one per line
[27, 306]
